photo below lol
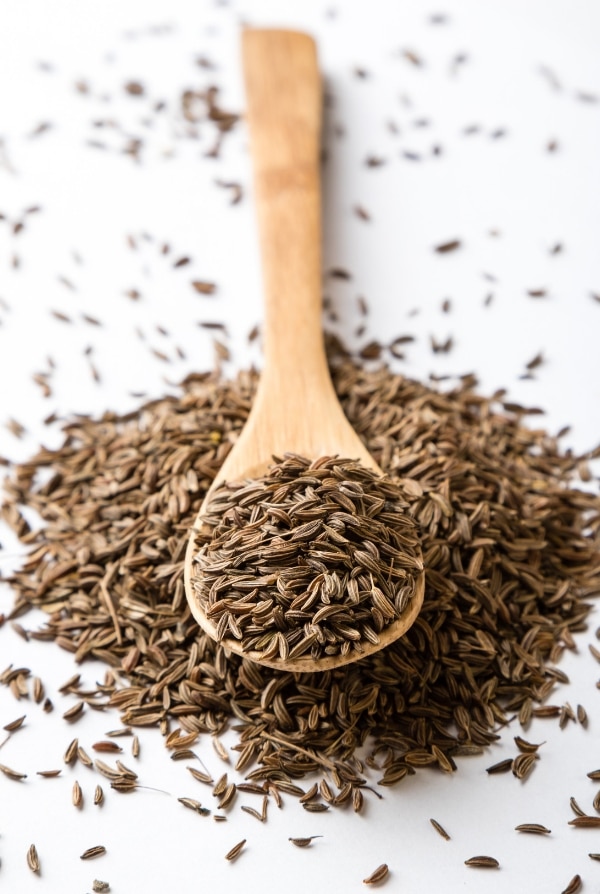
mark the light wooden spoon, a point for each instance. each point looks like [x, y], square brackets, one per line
[295, 409]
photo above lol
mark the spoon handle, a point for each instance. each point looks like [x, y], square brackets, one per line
[283, 93]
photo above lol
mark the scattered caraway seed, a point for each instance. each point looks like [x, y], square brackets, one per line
[483, 862]
[48, 774]
[15, 724]
[440, 829]
[84, 757]
[586, 822]
[97, 851]
[77, 795]
[534, 828]
[596, 801]
[70, 755]
[98, 795]
[378, 875]
[191, 804]
[582, 716]
[501, 767]
[12, 774]
[576, 808]
[204, 288]
[197, 774]
[524, 764]
[235, 850]
[573, 886]
[98, 886]
[594, 856]
[33, 861]
[304, 842]
[75, 712]
[184, 754]
[527, 747]
[446, 247]
[594, 774]
[107, 747]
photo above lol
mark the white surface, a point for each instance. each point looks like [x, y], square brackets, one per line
[91, 200]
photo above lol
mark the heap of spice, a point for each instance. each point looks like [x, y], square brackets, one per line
[313, 559]
[510, 545]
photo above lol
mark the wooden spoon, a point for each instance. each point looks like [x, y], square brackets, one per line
[296, 408]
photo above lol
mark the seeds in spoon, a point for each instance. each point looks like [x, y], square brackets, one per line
[314, 559]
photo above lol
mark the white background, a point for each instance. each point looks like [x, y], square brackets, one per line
[507, 198]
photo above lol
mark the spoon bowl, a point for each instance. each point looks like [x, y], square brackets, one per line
[296, 409]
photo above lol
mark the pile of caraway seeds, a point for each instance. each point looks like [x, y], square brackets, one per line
[510, 547]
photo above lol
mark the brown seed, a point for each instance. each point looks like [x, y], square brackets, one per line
[304, 842]
[483, 862]
[38, 690]
[235, 850]
[15, 724]
[70, 685]
[204, 288]
[98, 795]
[220, 749]
[135, 747]
[33, 861]
[48, 774]
[357, 800]
[526, 747]
[378, 875]
[576, 808]
[84, 757]
[183, 754]
[594, 774]
[124, 785]
[439, 829]
[501, 767]
[586, 822]
[107, 747]
[594, 856]
[573, 886]
[192, 804]
[201, 777]
[12, 774]
[77, 795]
[446, 247]
[534, 828]
[582, 716]
[524, 764]
[98, 886]
[97, 851]
[75, 712]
